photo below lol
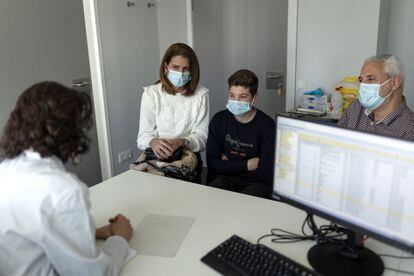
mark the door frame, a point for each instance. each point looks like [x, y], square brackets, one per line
[189, 19]
[292, 36]
[93, 38]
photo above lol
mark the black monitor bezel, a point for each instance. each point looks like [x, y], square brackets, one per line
[352, 226]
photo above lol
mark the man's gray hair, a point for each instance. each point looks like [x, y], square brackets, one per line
[393, 66]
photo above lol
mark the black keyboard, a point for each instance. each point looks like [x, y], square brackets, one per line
[236, 256]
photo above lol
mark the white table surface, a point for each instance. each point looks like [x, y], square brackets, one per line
[219, 214]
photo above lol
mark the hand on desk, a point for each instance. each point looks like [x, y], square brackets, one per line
[118, 225]
[121, 226]
[103, 232]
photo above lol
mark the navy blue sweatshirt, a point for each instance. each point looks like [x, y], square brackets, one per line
[241, 142]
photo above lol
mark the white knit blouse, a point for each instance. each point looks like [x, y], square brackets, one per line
[174, 116]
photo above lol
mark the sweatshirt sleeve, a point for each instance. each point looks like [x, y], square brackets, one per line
[70, 241]
[198, 136]
[215, 150]
[146, 130]
[267, 153]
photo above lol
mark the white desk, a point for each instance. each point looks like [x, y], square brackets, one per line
[218, 213]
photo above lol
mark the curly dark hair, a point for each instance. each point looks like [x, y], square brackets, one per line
[50, 119]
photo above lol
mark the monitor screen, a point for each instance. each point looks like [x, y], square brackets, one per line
[363, 181]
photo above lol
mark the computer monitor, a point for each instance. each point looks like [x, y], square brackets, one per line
[362, 181]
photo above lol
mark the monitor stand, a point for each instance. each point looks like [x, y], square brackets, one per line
[347, 259]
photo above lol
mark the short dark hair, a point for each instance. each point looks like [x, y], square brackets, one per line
[50, 119]
[181, 49]
[245, 78]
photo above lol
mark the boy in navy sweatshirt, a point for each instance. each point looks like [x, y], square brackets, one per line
[241, 139]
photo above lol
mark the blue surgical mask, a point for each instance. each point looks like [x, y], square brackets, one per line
[369, 95]
[177, 78]
[238, 108]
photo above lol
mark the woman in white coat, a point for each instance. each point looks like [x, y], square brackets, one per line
[46, 227]
[175, 110]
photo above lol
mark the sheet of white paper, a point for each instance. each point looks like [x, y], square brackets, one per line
[160, 235]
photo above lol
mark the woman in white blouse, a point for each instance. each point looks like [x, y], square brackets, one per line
[46, 227]
[175, 110]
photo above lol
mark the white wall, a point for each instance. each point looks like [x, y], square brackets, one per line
[401, 41]
[334, 38]
[40, 40]
[172, 23]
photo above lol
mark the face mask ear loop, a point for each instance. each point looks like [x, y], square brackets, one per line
[392, 91]
[385, 82]
[389, 94]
